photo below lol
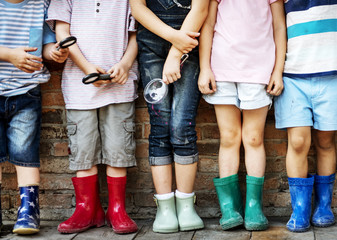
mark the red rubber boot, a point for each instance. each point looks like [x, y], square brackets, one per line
[116, 216]
[88, 212]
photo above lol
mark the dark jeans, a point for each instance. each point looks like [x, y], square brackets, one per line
[173, 119]
[20, 123]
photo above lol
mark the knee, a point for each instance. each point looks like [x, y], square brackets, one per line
[230, 138]
[299, 143]
[325, 144]
[252, 139]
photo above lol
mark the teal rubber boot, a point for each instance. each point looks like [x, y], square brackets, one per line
[166, 218]
[254, 217]
[230, 201]
[188, 218]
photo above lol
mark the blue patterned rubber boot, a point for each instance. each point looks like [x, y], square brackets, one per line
[300, 193]
[323, 216]
[28, 221]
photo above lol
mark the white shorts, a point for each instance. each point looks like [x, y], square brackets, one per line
[243, 95]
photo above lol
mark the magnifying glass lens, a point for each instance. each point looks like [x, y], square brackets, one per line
[68, 44]
[155, 91]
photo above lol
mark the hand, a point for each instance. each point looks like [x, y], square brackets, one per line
[171, 70]
[206, 81]
[119, 73]
[24, 61]
[185, 41]
[275, 85]
[96, 69]
[59, 55]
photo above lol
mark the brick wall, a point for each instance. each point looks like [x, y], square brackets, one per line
[57, 198]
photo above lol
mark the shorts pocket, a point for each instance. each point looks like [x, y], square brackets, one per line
[130, 142]
[71, 132]
[35, 92]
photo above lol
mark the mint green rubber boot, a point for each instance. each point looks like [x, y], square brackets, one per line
[188, 218]
[166, 218]
[254, 217]
[230, 201]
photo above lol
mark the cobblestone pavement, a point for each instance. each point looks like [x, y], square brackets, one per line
[212, 231]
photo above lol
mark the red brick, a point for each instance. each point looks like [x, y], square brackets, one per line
[61, 149]
[52, 99]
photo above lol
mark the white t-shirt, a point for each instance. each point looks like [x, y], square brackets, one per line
[101, 28]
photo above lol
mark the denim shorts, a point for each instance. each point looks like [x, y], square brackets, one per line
[102, 136]
[20, 126]
[245, 96]
[308, 101]
[173, 136]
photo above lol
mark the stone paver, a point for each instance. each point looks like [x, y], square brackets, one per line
[212, 231]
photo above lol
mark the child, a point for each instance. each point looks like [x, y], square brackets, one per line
[101, 115]
[307, 108]
[241, 54]
[24, 39]
[173, 136]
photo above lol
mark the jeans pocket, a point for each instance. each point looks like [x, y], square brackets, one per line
[130, 142]
[167, 4]
[35, 40]
[35, 92]
[71, 132]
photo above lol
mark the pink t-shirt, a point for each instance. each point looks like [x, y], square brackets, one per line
[243, 44]
[101, 28]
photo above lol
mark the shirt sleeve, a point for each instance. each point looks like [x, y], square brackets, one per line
[132, 22]
[59, 10]
[48, 35]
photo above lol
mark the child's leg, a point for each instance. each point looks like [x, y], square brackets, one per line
[162, 178]
[325, 178]
[27, 175]
[229, 123]
[227, 186]
[326, 152]
[252, 139]
[255, 158]
[299, 141]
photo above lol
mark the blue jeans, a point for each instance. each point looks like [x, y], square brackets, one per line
[173, 136]
[20, 122]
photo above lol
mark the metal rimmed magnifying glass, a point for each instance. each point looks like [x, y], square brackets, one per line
[93, 77]
[67, 42]
[156, 90]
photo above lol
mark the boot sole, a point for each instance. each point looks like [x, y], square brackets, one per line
[299, 230]
[79, 230]
[323, 225]
[26, 231]
[191, 228]
[256, 228]
[165, 230]
[231, 225]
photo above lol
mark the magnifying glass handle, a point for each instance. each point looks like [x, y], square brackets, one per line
[104, 77]
[67, 42]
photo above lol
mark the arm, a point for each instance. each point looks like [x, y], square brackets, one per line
[206, 76]
[184, 40]
[21, 58]
[275, 85]
[120, 71]
[62, 30]
[193, 22]
[50, 52]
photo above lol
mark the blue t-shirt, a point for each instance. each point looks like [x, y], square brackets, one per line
[312, 38]
[23, 25]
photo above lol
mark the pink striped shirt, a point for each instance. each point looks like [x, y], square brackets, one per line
[101, 28]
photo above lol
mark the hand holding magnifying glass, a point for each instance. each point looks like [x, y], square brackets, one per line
[67, 42]
[94, 77]
[156, 90]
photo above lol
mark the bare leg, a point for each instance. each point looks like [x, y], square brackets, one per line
[229, 123]
[299, 140]
[87, 173]
[326, 152]
[185, 176]
[162, 178]
[27, 175]
[252, 138]
[115, 171]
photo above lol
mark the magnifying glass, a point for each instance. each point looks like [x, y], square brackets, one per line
[67, 42]
[93, 77]
[156, 90]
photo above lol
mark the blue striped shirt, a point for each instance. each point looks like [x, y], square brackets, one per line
[312, 38]
[23, 25]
